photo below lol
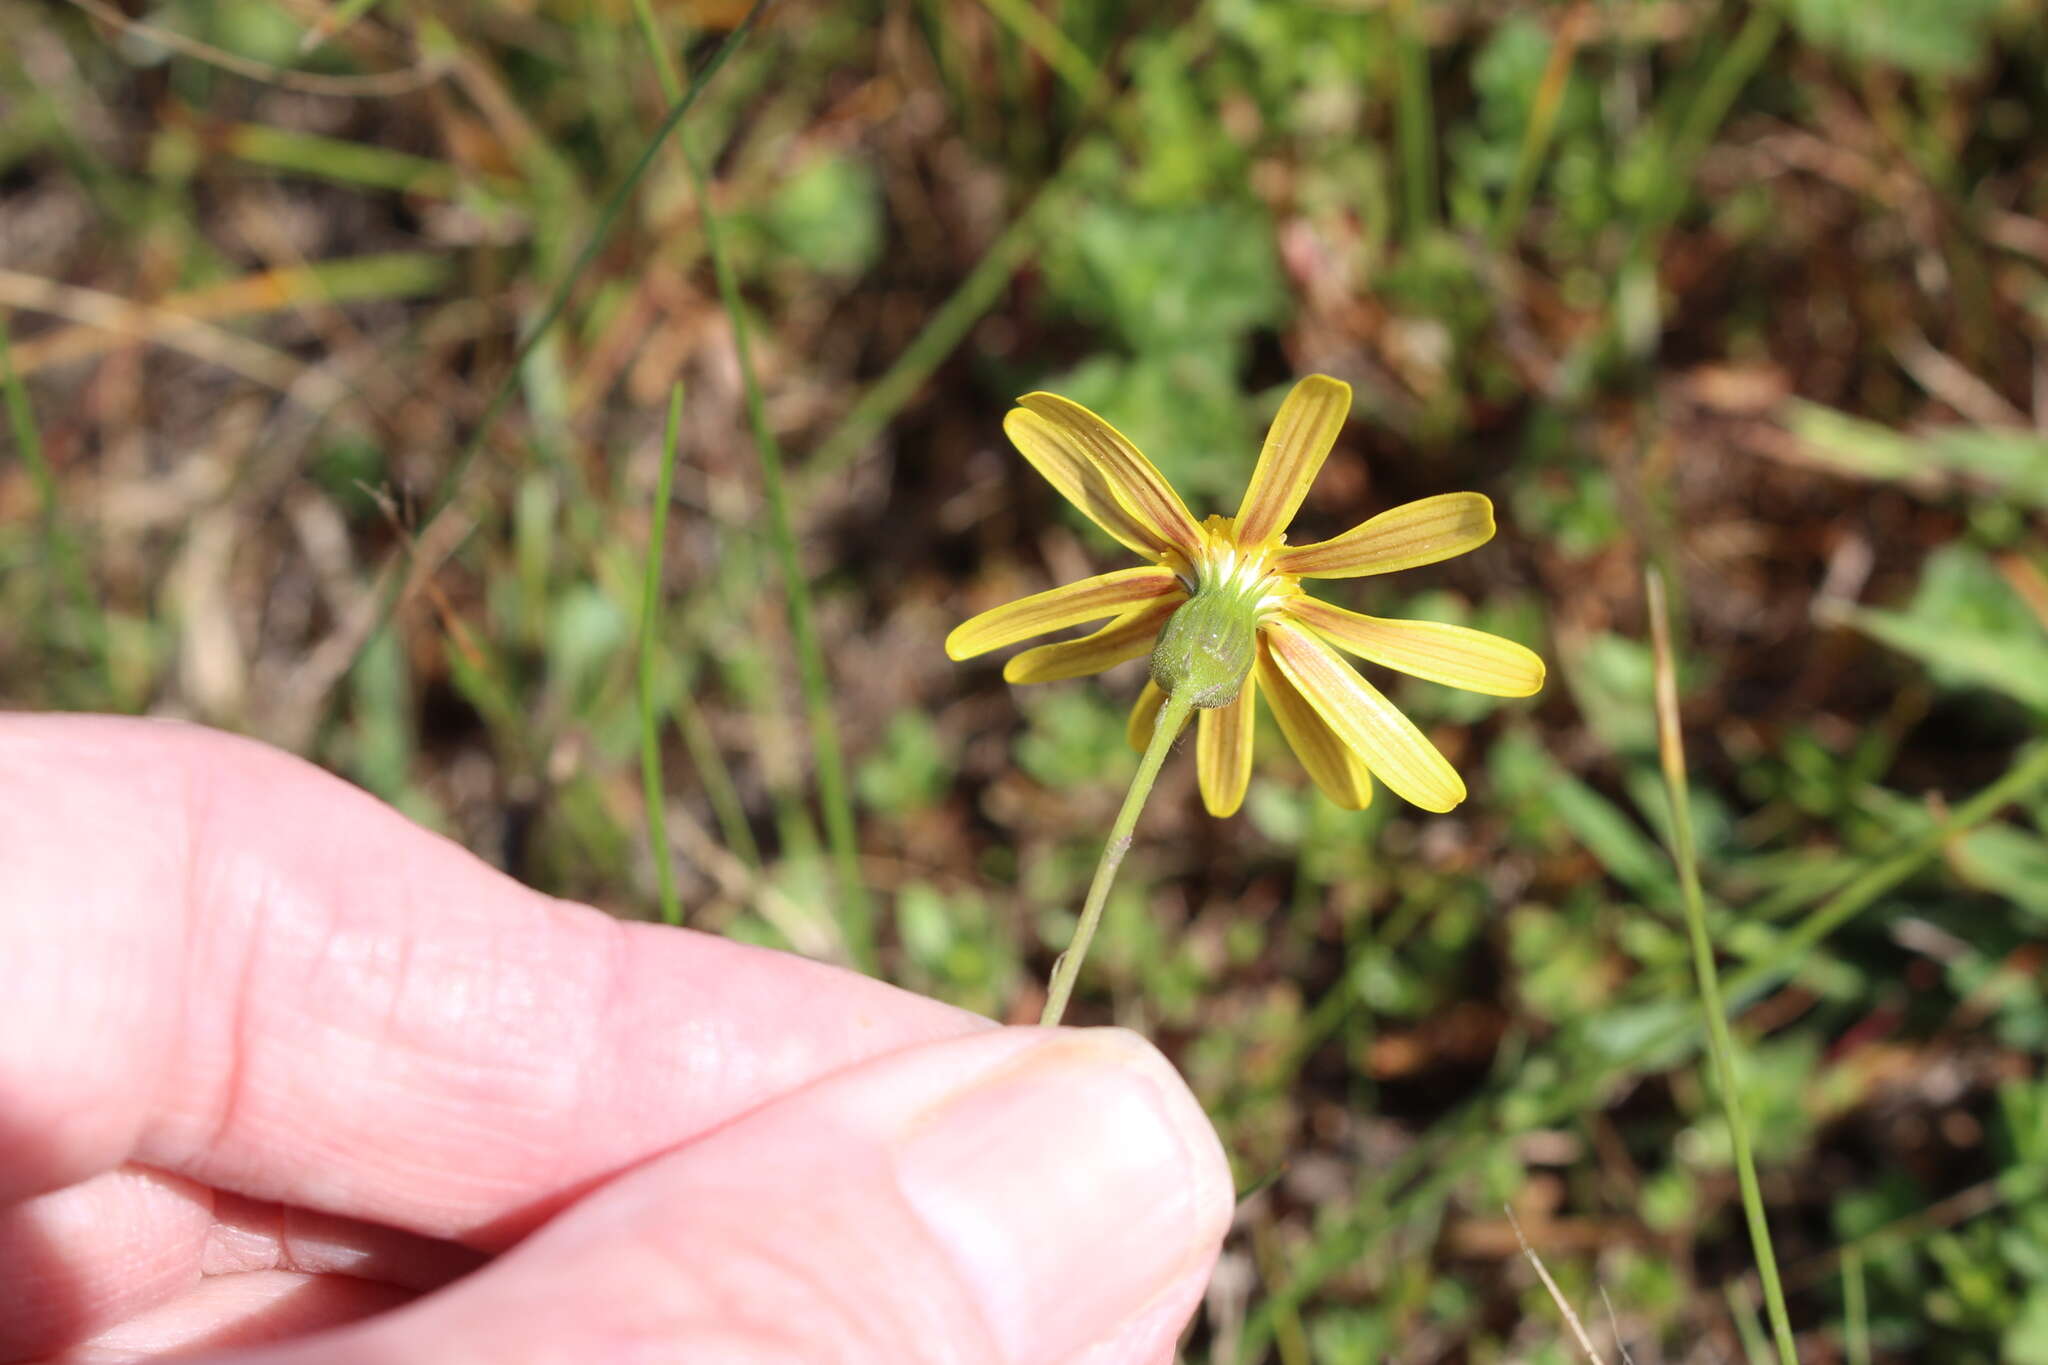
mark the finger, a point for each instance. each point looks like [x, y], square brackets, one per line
[95, 1253]
[236, 968]
[253, 1308]
[78, 1260]
[1026, 1197]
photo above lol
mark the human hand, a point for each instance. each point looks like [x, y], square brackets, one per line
[280, 1070]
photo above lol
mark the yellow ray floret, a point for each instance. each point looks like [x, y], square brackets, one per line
[1296, 446]
[1223, 753]
[1404, 537]
[1091, 599]
[1128, 637]
[1137, 487]
[1396, 752]
[1332, 765]
[1456, 656]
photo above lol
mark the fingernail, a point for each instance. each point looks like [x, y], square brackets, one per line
[1071, 1187]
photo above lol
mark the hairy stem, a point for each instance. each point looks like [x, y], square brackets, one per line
[1172, 716]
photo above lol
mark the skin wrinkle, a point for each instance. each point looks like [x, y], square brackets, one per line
[233, 1082]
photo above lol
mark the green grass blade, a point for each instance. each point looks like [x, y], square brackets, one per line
[60, 552]
[1415, 119]
[1702, 118]
[1721, 1044]
[340, 161]
[942, 332]
[834, 793]
[1051, 43]
[1855, 1310]
[1535, 144]
[652, 794]
[664, 63]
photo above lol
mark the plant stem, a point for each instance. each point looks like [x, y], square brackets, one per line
[650, 720]
[1165, 729]
[1672, 750]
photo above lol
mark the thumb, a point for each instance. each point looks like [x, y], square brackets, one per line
[1026, 1196]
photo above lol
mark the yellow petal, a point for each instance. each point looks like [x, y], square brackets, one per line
[1296, 446]
[1073, 439]
[1388, 741]
[1144, 715]
[1456, 656]
[1061, 463]
[1223, 753]
[1091, 599]
[1331, 764]
[1400, 538]
[1125, 638]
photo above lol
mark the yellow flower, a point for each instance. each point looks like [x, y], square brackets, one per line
[1340, 726]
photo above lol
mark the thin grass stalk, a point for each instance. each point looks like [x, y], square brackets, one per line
[1535, 146]
[1703, 116]
[1742, 1313]
[1671, 748]
[1051, 43]
[705, 754]
[716, 775]
[59, 551]
[834, 793]
[1564, 1305]
[1855, 1310]
[1416, 120]
[606, 218]
[652, 795]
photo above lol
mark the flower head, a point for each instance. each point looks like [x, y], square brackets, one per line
[1223, 596]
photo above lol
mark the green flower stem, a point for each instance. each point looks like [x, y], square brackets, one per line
[1172, 716]
[1720, 1043]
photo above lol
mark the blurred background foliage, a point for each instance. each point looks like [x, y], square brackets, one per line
[1754, 293]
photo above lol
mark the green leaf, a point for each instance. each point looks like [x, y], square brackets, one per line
[829, 216]
[908, 771]
[1926, 37]
[1968, 626]
[2007, 860]
[1169, 279]
[1528, 775]
[2008, 462]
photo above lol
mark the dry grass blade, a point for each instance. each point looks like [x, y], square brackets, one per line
[315, 388]
[1556, 1295]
